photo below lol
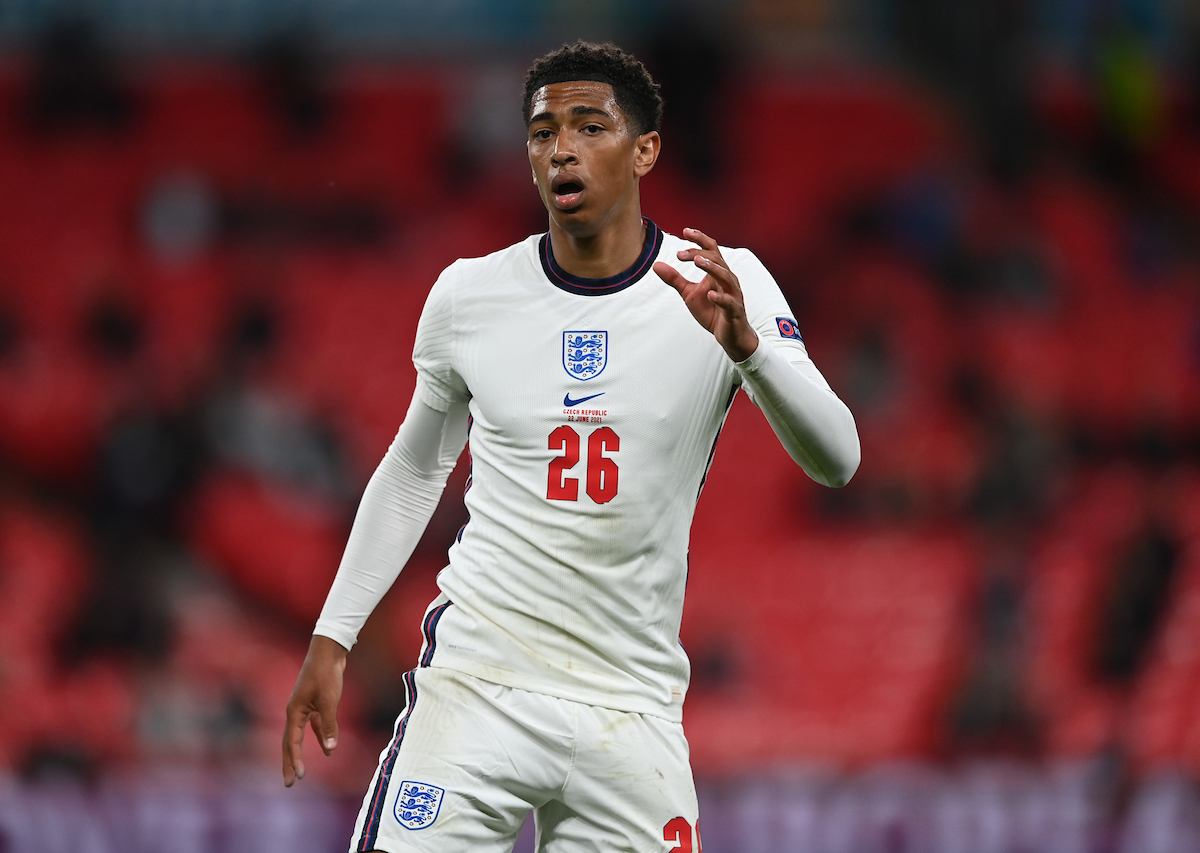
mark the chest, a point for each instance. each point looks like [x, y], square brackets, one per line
[636, 361]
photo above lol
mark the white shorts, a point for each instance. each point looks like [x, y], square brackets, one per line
[470, 760]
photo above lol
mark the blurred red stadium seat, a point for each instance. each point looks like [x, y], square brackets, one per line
[848, 648]
[279, 545]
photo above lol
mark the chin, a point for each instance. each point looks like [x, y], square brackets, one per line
[575, 222]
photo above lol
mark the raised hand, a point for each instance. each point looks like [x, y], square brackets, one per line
[314, 702]
[716, 300]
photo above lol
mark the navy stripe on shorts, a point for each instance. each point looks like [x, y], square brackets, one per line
[370, 830]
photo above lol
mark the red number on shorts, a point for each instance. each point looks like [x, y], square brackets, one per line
[601, 471]
[559, 488]
[679, 830]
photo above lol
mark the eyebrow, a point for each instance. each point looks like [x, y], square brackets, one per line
[579, 110]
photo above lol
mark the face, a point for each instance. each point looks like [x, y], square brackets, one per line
[586, 159]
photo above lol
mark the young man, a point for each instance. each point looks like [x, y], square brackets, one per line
[592, 368]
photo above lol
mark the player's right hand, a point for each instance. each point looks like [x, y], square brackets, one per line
[314, 702]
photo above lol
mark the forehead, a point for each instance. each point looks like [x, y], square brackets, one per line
[560, 98]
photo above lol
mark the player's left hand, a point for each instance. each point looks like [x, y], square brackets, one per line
[716, 300]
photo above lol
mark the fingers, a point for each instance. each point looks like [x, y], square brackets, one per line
[700, 238]
[293, 748]
[325, 727]
[723, 274]
[708, 257]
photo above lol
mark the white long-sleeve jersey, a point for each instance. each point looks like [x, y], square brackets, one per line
[593, 409]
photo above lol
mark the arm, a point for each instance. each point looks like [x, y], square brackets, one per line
[813, 425]
[396, 507]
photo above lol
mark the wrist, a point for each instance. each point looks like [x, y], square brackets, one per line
[327, 648]
[743, 345]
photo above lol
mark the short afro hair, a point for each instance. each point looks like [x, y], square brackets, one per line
[634, 89]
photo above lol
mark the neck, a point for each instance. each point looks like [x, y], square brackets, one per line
[611, 250]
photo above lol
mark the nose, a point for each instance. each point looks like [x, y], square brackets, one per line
[564, 152]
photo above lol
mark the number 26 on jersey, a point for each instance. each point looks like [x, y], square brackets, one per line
[601, 471]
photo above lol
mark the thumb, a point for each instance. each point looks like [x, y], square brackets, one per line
[671, 276]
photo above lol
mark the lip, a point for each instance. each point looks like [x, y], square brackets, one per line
[567, 200]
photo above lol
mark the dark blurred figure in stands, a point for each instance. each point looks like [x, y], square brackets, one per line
[257, 430]
[75, 85]
[977, 53]
[992, 714]
[1139, 591]
[1014, 492]
[1137, 597]
[1131, 98]
[689, 56]
[1023, 457]
[293, 75]
[137, 479]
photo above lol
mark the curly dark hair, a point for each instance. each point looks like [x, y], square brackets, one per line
[635, 90]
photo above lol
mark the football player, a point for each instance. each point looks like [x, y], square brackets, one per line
[592, 368]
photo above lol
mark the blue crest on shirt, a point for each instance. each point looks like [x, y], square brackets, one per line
[585, 354]
[418, 804]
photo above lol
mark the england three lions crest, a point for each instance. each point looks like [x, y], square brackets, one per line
[418, 804]
[585, 354]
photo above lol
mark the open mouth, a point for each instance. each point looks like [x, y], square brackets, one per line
[567, 193]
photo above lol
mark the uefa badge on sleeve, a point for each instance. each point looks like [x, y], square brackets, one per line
[788, 329]
[585, 354]
[418, 804]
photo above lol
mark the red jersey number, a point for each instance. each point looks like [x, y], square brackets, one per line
[680, 831]
[601, 470]
[558, 487]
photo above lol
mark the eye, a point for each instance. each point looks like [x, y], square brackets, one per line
[593, 129]
[544, 133]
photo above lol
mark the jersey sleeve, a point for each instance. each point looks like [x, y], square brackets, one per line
[768, 311]
[396, 507]
[813, 425]
[441, 387]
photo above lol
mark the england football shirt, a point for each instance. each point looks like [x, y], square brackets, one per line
[595, 407]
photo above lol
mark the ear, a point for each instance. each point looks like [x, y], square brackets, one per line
[646, 153]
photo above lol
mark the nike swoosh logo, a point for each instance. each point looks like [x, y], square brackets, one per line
[568, 402]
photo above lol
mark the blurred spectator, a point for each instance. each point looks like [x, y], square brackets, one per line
[294, 79]
[264, 218]
[870, 373]
[991, 714]
[1131, 99]
[125, 609]
[978, 52]
[254, 429]
[1022, 456]
[147, 461]
[112, 329]
[689, 55]
[179, 217]
[1140, 581]
[75, 84]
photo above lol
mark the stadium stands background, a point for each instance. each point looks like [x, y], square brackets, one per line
[218, 222]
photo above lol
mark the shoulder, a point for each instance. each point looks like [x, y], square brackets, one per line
[745, 263]
[503, 264]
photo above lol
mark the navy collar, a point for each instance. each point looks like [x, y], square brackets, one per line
[563, 280]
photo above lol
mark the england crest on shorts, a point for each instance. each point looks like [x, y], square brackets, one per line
[585, 354]
[418, 804]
